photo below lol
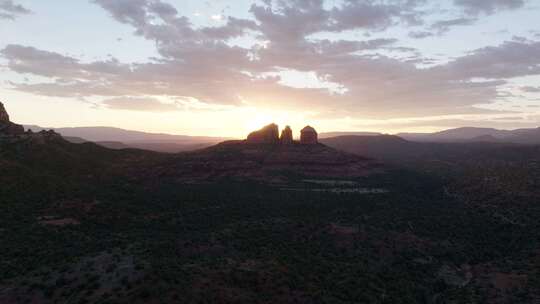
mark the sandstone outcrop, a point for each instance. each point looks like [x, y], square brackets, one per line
[308, 136]
[286, 136]
[6, 126]
[266, 135]
[270, 135]
[4, 117]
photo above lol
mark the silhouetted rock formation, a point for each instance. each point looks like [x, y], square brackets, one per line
[4, 117]
[286, 136]
[6, 126]
[269, 135]
[308, 136]
[266, 135]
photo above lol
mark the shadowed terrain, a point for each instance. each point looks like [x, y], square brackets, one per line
[257, 223]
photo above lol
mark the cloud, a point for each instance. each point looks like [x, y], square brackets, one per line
[488, 6]
[469, 16]
[70, 77]
[293, 20]
[159, 21]
[370, 14]
[421, 34]
[530, 89]
[444, 26]
[498, 120]
[479, 122]
[139, 104]
[201, 62]
[23, 59]
[69, 89]
[510, 59]
[10, 10]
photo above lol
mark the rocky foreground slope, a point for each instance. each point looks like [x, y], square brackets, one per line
[6, 126]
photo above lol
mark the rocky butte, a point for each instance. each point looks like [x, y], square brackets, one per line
[308, 136]
[6, 126]
[270, 135]
[11, 132]
[266, 135]
[266, 157]
[4, 117]
[286, 136]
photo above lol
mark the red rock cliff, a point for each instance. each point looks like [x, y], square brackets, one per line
[6, 126]
[308, 136]
[266, 135]
[286, 136]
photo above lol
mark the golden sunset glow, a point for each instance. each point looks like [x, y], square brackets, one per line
[225, 68]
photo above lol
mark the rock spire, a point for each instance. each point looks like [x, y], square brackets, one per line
[308, 136]
[270, 135]
[286, 136]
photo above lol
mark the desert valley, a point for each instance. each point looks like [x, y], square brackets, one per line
[268, 219]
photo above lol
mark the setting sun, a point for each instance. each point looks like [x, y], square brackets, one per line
[256, 119]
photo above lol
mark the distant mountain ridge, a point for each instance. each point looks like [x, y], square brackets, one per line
[530, 136]
[116, 138]
[122, 135]
[470, 134]
[336, 134]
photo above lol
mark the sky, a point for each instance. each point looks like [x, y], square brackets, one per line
[224, 68]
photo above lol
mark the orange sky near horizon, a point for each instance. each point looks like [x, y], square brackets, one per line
[226, 68]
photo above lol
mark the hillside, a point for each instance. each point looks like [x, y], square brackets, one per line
[400, 151]
[388, 147]
[279, 222]
[231, 222]
[267, 162]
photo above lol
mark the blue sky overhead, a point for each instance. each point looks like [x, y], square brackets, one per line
[224, 67]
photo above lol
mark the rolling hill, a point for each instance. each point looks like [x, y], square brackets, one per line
[395, 149]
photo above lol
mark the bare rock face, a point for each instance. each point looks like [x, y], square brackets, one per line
[308, 136]
[286, 136]
[6, 126]
[4, 117]
[266, 135]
